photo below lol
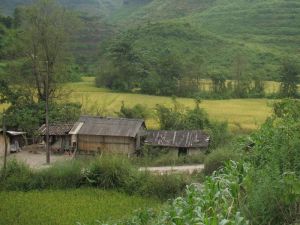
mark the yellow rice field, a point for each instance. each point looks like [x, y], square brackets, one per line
[241, 114]
[245, 114]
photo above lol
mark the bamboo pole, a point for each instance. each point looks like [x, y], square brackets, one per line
[5, 144]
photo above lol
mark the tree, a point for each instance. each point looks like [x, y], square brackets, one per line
[289, 79]
[242, 82]
[40, 65]
[46, 29]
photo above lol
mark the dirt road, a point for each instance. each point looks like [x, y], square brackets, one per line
[36, 157]
[173, 169]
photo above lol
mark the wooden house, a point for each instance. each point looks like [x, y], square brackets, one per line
[107, 135]
[185, 142]
[15, 140]
[59, 137]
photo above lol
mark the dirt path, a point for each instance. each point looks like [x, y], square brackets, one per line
[173, 169]
[35, 157]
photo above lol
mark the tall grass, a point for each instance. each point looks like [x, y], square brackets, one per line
[107, 172]
[88, 206]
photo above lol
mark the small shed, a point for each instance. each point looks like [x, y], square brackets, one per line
[59, 137]
[108, 135]
[187, 142]
[15, 140]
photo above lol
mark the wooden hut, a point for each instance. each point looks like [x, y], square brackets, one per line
[15, 140]
[185, 142]
[107, 135]
[59, 137]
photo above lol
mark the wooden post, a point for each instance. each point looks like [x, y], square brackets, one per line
[47, 116]
[5, 145]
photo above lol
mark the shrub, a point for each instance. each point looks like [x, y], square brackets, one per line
[109, 172]
[217, 159]
[17, 176]
[60, 176]
[164, 187]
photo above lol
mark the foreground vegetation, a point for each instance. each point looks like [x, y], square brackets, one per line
[255, 180]
[66, 207]
[107, 172]
[260, 187]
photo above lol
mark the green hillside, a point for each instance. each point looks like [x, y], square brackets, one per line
[215, 32]
[263, 32]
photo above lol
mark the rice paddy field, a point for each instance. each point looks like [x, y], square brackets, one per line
[245, 114]
[67, 207]
[241, 114]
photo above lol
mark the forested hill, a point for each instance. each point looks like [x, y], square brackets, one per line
[263, 33]
[213, 32]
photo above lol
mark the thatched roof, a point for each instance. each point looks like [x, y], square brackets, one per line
[184, 139]
[118, 127]
[56, 129]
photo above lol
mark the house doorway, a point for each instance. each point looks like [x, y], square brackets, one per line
[182, 151]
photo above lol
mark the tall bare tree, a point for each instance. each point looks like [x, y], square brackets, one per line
[46, 30]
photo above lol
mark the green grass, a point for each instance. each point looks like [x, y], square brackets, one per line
[240, 113]
[68, 207]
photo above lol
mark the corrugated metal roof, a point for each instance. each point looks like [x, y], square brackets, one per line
[184, 139]
[56, 129]
[75, 129]
[13, 133]
[120, 127]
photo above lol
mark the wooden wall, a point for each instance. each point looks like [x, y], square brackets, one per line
[106, 144]
[2, 145]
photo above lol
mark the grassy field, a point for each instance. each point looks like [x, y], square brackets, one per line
[66, 207]
[240, 113]
[245, 114]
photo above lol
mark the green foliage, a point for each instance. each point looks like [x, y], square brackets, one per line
[106, 172]
[218, 158]
[64, 207]
[137, 111]
[274, 178]
[180, 118]
[109, 172]
[262, 187]
[118, 173]
[216, 201]
[163, 187]
[16, 177]
[28, 116]
[60, 176]
[290, 77]
[287, 109]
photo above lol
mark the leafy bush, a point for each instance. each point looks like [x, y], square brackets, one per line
[112, 172]
[273, 189]
[109, 172]
[214, 202]
[16, 177]
[118, 173]
[59, 176]
[137, 112]
[163, 186]
[218, 158]
[180, 118]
